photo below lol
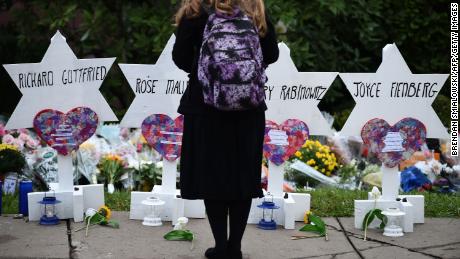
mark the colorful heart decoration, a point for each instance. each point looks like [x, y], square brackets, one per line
[393, 143]
[282, 141]
[65, 132]
[164, 134]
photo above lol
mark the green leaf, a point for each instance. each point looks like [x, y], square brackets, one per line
[317, 226]
[179, 235]
[95, 219]
[113, 224]
[383, 219]
[310, 228]
[318, 222]
[368, 218]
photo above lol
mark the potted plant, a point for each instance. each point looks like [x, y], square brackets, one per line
[147, 176]
[11, 160]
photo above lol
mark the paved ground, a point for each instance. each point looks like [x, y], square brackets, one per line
[437, 238]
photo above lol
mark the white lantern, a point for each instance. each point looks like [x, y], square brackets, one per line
[393, 228]
[152, 211]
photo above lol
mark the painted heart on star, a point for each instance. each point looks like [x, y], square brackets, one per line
[164, 134]
[393, 143]
[282, 141]
[65, 131]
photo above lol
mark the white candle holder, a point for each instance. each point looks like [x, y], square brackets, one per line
[152, 207]
[394, 224]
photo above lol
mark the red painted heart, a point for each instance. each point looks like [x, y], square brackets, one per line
[65, 132]
[282, 141]
[164, 134]
[393, 143]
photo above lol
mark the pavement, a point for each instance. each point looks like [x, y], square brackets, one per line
[437, 238]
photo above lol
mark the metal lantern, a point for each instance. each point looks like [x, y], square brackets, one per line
[267, 207]
[393, 227]
[49, 210]
[152, 207]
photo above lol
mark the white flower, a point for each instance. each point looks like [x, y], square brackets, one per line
[181, 222]
[435, 166]
[353, 162]
[447, 169]
[90, 212]
[159, 164]
[375, 193]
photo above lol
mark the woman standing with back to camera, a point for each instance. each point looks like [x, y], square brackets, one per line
[225, 46]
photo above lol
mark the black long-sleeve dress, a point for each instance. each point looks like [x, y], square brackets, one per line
[221, 151]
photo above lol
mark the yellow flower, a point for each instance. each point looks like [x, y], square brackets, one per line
[8, 146]
[305, 216]
[87, 146]
[105, 211]
[316, 168]
[311, 162]
[298, 154]
[322, 170]
[328, 173]
[318, 154]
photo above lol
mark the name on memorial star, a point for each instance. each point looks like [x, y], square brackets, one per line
[397, 89]
[68, 76]
[149, 86]
[296, 92]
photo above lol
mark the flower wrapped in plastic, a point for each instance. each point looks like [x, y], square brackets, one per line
[318, 156]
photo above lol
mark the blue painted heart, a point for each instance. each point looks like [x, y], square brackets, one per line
[393, 143]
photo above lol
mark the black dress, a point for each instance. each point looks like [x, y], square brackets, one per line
[221, 151]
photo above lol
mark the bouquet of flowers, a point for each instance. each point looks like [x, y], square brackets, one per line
[11, 159]
[22, 139]
[318, 156]
[111, 167]
[88, 157]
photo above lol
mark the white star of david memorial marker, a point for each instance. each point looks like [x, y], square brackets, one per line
[291, 94]
[60, 81]
[158, 88]
[393, 93]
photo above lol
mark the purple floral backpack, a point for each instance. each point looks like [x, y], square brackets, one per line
[230, 66]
